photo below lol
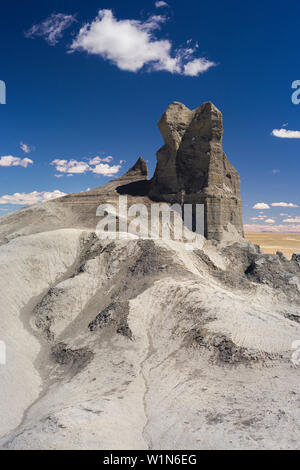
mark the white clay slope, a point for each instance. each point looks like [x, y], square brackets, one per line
[138, 344]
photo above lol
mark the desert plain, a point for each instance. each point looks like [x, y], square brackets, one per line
[287, 243]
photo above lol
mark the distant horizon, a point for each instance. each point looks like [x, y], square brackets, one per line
[270, 231]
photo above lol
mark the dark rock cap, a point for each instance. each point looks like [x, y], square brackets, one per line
[139, 169]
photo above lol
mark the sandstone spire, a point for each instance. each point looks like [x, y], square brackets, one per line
[139, 169]
[192, 167]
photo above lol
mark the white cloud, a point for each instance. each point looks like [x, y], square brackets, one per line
[261, 205]
[96, 160]
[132, 44]
[9, 160]
[27, 199]
[106, 170]
[294, 220]
[109, 158]
[197, 66]
[283, 204]
[284, 215]
[52, 28]
[270, 221]
[70, 166]
[96, 165]
[25, 147]
[260, 217]
[285, 134]
[275, 172]
[272, 228]
[161, 4]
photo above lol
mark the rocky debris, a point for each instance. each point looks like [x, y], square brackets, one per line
[275, 271]
[293, 317]
[192, 167]
[91, 247]
[75, 359]
[281, 256]
[124, 330]
[233, 279]
[234, 276]
[51, 424]
[115, 314]
[296, 258]
[104, 318]
[239, 256]
[223, 349]
[44, 313]
[150, 260]
[248, 265]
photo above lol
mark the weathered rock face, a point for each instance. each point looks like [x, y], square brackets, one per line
[192, 167]
[137, 172]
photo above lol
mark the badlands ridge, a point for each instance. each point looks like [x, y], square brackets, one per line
[139, 343]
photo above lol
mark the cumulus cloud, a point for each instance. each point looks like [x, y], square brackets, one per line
[283, 204]
[70, 166]
[96, 165]
[294, 220]
[131, 45]
[25, 147]
[27, 199]
[260, 217]
[96, 160]
[106, 170]
[270, 221]
[9, 160]
[197, 66]
[261, 205]
[285, 134]
[272, 228]
[52, 28]
[161, 4]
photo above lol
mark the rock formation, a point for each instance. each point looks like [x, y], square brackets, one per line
[139, 343]
[138, 171]
[193, 168]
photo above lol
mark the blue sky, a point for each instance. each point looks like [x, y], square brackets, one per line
[77, 96]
